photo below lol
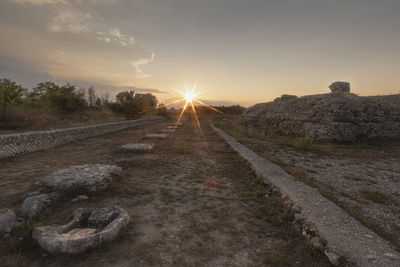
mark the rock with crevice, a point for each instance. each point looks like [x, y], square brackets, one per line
[7, 221]
[90, 177]
[35, 204]
[88, 228]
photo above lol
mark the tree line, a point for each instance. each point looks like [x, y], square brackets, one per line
[68, 99]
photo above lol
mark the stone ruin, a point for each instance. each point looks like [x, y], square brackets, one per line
[339, 116]
[88, 228]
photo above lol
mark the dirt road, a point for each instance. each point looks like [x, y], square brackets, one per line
[193, 202]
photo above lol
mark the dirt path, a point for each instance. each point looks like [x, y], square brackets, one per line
[193, 202]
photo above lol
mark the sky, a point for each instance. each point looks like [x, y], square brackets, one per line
[236, 51]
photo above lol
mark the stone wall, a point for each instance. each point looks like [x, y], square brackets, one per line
[337, 116]
[13, 144]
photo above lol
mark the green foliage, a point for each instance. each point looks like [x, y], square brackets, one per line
[62, 99]
[132, 104]
[162, 111]
[10, 94]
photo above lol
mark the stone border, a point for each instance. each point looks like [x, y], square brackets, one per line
[345, 236]
[13, 144]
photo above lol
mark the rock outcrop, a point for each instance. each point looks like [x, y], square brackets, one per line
[88, 228]
[343, 117]
[90, 177]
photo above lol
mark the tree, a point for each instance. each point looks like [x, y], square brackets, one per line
[10, 94]
[91, 96]
[134, 104]
[62, 99]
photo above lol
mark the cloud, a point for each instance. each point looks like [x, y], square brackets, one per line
[148, 90]
[70, 40]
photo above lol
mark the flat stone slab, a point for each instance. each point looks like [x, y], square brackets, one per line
[35, 203]
[177, 124]
[172, 127]
[345, 236]
[88, 228]
[167, 131]
[155, 136]
[90, 177]
[141, 148]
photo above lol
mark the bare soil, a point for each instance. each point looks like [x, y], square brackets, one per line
[193, 202]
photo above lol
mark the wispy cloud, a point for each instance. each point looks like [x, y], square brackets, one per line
[71, 40]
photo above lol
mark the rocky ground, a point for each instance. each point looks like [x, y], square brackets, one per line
[192, 201]
[363, 179]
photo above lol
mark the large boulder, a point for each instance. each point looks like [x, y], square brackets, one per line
[36, 203]
[7, 221]
[340, 87]
[88, 228]
[90, 177]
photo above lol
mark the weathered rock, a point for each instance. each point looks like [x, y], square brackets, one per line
[35, 204]
[316, 243]
[333, 258]
[177, 124]
[147, 148]
[80, 198]
[172, 127]
[7, 221]
[340, 87]
[154, 136]
[298, 217]
[88, 228]
[327, 117]
[90, 177]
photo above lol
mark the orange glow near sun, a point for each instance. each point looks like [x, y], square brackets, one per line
[189, 96]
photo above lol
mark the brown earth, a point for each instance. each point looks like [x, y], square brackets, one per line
[193, 202]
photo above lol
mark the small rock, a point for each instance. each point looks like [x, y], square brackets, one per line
[316, 242]
[147, 148]
[7, 221]
[333, 258]
[34, 205]
[75, 200]
[83, 197]
[298, 217]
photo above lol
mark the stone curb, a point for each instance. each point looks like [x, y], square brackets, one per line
[345, 236]
[13, 144]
